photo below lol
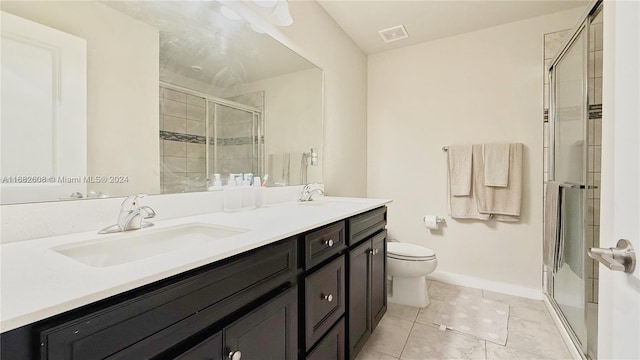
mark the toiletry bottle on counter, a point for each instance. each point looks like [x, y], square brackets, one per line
[247, 193]
[232, 196]
[215, 184]
[260, 193]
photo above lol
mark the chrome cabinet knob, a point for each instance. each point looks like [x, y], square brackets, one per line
[329, 242]
[329, 297]
[374, 251]
[235, 355]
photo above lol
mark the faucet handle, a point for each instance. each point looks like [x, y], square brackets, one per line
[308, 187]
[131, 202]
[147, 212]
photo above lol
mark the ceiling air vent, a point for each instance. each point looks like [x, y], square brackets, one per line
[394, 34]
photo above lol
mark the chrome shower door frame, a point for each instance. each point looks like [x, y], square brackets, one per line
[582, 27]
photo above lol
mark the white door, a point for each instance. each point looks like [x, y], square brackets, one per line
[619, 294]
[44, 112]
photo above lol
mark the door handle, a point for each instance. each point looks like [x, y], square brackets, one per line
[620, 258]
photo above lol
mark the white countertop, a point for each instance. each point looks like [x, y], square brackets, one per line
[38, 282]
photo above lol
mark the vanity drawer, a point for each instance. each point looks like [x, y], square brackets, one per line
[199, 297]
[323, 243]
[324, 300]
[331, 346]
[364, 225]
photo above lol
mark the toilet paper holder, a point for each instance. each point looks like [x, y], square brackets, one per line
[439, 220]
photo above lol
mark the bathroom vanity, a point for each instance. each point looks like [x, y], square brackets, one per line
[303, 282]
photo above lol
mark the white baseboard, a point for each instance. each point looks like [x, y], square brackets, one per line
[495, 286]
[575, 353]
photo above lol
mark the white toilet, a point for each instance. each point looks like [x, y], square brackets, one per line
[408, 264]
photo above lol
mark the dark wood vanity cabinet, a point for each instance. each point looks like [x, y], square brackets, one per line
[268, 332]
[362, 263]
[317, 295]
[150, 321]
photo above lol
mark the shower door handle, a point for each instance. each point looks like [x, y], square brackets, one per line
[620, 258]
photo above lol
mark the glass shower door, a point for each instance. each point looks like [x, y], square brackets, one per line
[235, 138]
[569, 167]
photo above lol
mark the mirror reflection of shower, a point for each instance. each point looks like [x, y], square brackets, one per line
[204, 137]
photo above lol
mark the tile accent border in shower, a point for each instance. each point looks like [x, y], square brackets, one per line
[197, 139]
[188, 138]
[595, 112]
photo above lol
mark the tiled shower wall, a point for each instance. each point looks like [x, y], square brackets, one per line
[552, 43]
[182, 142]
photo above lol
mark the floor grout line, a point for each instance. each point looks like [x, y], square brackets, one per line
[406, 341]
[485, 348]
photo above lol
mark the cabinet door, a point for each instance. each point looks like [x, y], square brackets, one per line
[210, 349]
[378, 278]
[269, 332]
[359, 324]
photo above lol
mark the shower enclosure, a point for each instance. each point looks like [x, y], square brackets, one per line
[574, 162]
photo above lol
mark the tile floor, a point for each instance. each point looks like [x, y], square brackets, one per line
[408, 333]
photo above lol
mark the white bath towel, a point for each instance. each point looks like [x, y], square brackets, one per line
[460, 170]
[496, 164]
[497, 201]
[463, 207]
[551, 223]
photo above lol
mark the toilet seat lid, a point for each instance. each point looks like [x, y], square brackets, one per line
[409, 251]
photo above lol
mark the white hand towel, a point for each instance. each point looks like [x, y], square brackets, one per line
[496, 164]
[459, 157]
[499, 200]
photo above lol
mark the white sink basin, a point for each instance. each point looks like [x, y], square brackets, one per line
[141, 244]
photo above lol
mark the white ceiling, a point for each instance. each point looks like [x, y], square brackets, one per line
[427, 20]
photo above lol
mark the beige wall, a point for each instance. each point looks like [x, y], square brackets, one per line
[122, 88]
[482, 86]
[317, 37]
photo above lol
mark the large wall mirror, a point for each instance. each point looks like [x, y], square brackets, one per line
[110, 98]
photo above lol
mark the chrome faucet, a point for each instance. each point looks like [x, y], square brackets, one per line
[131, 216]
[307, 193]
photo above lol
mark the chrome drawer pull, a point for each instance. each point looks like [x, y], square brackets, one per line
[329, 297]
[329, 242]
[235, 355]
